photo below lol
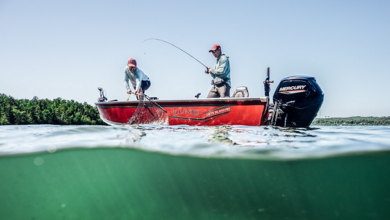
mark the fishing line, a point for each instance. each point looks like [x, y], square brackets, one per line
[176, 47]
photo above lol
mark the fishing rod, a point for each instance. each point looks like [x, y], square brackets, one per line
[176, 47]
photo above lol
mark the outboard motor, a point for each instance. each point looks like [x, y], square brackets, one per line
[297, 100]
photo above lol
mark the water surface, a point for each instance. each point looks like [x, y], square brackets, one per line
[233, 141]
[182, 172]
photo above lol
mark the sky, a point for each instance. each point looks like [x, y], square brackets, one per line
[67, 49]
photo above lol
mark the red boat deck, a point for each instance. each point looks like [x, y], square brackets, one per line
[199, 112]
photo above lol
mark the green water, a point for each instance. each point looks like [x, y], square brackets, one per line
[117, 183]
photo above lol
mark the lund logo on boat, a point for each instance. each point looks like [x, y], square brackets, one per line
[180, 112]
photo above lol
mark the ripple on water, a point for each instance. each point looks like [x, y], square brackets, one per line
[230, 141]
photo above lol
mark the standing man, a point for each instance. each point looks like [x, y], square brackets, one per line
[220, 73]
[138, 79]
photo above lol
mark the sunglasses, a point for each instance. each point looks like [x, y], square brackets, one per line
[213, 51]
[132, 67]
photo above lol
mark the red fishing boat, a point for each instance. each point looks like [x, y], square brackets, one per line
[209, 112]
[297, 100]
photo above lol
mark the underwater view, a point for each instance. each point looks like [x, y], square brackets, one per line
[185, 172]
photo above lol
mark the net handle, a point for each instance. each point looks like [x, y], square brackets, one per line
[154, 103]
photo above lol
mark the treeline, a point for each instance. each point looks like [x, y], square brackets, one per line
[352, 121]
[43, 111]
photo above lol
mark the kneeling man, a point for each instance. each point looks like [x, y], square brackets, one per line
[138, 79]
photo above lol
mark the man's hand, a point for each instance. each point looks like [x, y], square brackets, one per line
[136, 93]
[208, 70]
[129, 91]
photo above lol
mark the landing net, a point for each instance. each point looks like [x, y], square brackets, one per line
[148, 112]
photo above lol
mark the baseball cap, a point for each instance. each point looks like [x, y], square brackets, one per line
[215, 47]
[132, 62]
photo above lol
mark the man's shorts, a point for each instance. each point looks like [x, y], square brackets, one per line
[222, 91]
[145, 85]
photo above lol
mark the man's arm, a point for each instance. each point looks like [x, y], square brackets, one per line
[126, 83]
[138, 79]
[221, 70]
[138, 84]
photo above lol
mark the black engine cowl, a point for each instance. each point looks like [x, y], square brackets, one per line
[297, 100]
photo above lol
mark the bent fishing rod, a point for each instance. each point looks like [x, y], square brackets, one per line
[176, 47]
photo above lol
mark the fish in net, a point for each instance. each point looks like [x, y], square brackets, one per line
[148, 112]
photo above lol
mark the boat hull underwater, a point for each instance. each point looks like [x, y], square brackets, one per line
[198, 112]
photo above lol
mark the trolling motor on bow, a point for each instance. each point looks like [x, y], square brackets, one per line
[102, 98]
[297, 100]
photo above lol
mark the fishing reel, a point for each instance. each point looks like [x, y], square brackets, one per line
[267, 85]
[269, 81]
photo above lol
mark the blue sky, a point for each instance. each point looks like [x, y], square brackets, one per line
[67, 49]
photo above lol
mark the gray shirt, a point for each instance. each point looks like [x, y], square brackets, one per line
[222, 69]
[135, 78]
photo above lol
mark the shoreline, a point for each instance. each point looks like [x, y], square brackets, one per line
[352, 121]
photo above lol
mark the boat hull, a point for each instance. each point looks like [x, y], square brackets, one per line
[196, 112]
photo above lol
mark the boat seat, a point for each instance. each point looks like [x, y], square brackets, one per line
[241, 91]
